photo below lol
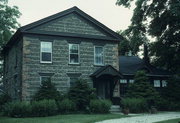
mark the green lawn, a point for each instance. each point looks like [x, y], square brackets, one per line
[74, 118]
[170, 121]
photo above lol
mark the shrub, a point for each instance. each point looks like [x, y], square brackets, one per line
[44, 108]
[135, 105]
[4, 98]
[100, 106]
[66, 106]
[47, 91]
[141, 88]
[17, 109]
[81, 94]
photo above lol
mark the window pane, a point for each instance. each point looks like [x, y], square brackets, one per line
[74, 58]
[164, 83]
[46, 57]
[131, 81]
[157, 83]
[99, 55]
[45, 79]
[123, 81]
[73, 81]
[73, 48]
[46, 46]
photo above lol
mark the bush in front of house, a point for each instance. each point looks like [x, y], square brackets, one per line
[66, 106]
[47, 91]
[17, 109]
[141, 88]
[81, 94]
[4, 98]
[135, 105]
[44, 108]
[100, 106]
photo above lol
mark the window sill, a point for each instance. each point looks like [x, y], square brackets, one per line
[74, 64]
[46, 62]
[98, 65]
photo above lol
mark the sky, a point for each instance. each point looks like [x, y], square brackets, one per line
[113, 16]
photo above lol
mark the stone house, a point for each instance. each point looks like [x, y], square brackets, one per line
[62, 47]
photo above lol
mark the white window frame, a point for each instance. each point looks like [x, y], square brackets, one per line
[95, 56]
[164, 83]
[157, 83]
[42, 52]
[74, 53]
[123, 81]
[41, 78]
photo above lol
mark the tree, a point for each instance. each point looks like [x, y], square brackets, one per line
[8, 24]
[161, 20]
[141, 88]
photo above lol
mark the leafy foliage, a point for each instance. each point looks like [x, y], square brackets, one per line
[44, 108]
[81, 94]
[47, 91]
[4, 98]
[17, 109]
[141, 88]
[100, 106]
[66, 106]
[135, 105]
[161, 20]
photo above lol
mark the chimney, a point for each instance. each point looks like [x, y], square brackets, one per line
[146, 56]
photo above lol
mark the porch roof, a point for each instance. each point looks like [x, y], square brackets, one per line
[106, 70]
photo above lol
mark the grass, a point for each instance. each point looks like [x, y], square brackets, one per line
[170, 121]
[73, 118]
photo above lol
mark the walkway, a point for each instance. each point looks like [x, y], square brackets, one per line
[145, 118]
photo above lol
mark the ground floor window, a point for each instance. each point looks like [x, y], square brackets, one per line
[44, 79]
[123, 81]
[73, 81]
[131, 81]
[164, 83]
[157, 83]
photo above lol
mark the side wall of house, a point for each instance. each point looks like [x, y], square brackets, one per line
[60, 67]
[12, 70]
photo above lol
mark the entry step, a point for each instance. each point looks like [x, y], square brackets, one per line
[115, 109]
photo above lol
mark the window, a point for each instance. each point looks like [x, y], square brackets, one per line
[46, 52]
[131, 81]
[157, 83]
[74, 53]
[123, 81]
[98, 55]
[164, 83]
[44, 79]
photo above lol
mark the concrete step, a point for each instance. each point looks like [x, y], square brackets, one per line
[115, 109]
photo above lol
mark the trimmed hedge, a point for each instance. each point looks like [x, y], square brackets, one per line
[25, 109]
[135, 105]
[100, 106]
[17, 109]
[4, 98]
[66, 106]
[44, 108]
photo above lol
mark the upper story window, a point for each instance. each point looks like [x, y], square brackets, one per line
[157, 83]
[74, 53]
[46, 52]
[123, 80]
[164, 83]
[98, 55]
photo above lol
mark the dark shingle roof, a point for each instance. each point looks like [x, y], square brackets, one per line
[129, 65]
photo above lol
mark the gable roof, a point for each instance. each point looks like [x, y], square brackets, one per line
[27, 29]
[129, 65]
[108, 69]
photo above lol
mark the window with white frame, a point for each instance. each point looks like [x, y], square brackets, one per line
[131, 81]
[74, 53]
[123, 81]
[157, 83]
[44, 79]
[164, 83]
[46, 52]
[98, 55]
